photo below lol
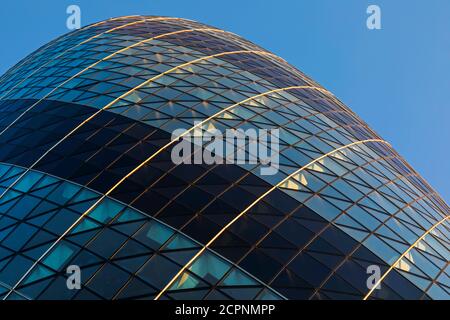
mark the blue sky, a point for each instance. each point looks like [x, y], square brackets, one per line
[397, 79]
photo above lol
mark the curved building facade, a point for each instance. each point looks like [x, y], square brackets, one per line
[87, 179]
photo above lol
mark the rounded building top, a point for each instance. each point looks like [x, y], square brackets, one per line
[86, 171]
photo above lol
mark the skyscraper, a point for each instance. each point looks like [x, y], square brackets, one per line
[87, 179]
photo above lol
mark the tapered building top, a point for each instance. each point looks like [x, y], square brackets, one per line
[87, 177]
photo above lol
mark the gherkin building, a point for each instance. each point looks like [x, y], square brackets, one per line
[88, 183]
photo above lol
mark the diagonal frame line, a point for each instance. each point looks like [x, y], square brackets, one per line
[229, 224]
[392, 217]
[76, 46]
[141, 165]
[360, 243]
[235, 183]
[257, 52]
[381, 279]
[434, 280]
[8, 287]
[123, 96]
[193, 182]
[394, 265]
[26, 59]
[241, 102]
[78, 73]
[317, 234]
[98, 111]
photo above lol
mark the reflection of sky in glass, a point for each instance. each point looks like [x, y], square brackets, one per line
[399, 71]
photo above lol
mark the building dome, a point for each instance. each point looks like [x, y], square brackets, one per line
[88, 181]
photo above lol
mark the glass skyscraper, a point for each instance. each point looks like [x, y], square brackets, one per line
[87, 179]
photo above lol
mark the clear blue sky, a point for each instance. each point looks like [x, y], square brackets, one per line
[397, 79]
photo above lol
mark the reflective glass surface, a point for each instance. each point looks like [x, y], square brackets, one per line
[86, 177]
